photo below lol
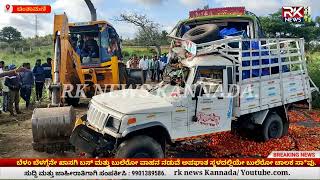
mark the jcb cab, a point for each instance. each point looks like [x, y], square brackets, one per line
[87, 57]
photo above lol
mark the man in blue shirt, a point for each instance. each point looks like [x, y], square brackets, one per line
[47, 69]
[164, 59]
[27, 81]
[14, 85]
[39, 76]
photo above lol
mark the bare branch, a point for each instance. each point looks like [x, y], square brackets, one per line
[148, 30]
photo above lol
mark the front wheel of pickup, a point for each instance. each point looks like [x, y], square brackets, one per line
[139, 147]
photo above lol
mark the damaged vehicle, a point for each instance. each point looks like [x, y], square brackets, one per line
[222, 72]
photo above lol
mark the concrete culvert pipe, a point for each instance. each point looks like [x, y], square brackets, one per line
[202, 34]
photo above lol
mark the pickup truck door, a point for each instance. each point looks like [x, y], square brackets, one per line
[213, 106]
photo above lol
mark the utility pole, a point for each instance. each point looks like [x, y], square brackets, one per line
[36, 30]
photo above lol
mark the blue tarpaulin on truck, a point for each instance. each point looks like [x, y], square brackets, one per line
[254, 46]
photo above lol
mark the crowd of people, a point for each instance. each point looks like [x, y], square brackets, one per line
[21, 84]
[152, 67]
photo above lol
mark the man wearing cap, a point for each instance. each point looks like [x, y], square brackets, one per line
[14, 85]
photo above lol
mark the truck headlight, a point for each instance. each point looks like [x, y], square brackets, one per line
[113, 123]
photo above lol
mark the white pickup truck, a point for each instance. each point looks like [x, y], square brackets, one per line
[227, 77]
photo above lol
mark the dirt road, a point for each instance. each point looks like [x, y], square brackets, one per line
[16, 136]
[304, 134]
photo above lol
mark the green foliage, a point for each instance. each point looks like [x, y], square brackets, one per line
[274, 26]
[19, 57]
[313, 61]
[10, 34]
[4, 45]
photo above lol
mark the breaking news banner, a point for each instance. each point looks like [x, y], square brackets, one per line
[279, 165]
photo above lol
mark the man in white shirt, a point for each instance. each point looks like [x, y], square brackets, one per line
[1, 85]
[162, 66]
[128, 64]
[143, 64]
[1, 66]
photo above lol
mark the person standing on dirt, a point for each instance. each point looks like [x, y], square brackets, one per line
[5, 90]
[164, 58]
[47, 67]
[162, 67]
[152, 69]
[27, 80]
[128, 64]
[1, 66]
[39, 77]
[14, 85]
[157, 68]
[1, 88]
[143, 65]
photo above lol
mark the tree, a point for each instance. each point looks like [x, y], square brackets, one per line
[10, 34]
[317, 20]
[148, 31]
[274, 26]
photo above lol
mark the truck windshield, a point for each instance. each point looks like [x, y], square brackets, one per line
[225, 26]
[174, 76]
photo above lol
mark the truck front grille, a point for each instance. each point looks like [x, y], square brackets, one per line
[96, 117]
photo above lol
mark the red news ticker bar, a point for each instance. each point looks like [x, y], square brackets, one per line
[169, 162]
[31, 9]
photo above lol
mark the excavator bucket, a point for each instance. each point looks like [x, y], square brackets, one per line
[51, 129]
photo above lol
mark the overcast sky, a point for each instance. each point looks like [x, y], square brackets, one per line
[165, 12]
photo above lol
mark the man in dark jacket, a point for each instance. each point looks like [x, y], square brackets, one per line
[27, 81]
[47, 69]
[38, 73]
[14, 85]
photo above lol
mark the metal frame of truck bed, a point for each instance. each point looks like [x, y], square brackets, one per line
[287, 81]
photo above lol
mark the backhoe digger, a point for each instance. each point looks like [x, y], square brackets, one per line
[86, 55]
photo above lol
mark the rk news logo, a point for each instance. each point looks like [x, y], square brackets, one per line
[296, 14]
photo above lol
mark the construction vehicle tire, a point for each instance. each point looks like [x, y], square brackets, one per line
[202, 34]
[72, 101]
[135, 76]
[51, 129]
[123, 76]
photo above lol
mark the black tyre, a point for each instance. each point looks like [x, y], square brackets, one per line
[140, 147]
[202, 34]
[272, 127]
[72, 101]
[135, 76]
[123, 76]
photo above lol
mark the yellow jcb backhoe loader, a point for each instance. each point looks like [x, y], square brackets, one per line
[87, 55]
